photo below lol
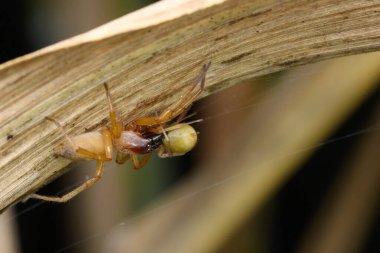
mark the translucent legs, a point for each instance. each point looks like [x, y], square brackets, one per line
[180, 107]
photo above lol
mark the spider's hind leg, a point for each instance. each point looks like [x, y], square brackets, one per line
[76, 191]
[106, 155]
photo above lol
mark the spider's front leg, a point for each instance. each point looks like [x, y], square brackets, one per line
[180, 107]
[116, 126]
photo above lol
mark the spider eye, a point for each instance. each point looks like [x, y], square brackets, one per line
[181, 140]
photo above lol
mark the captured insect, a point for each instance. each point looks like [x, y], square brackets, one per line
[164, 133]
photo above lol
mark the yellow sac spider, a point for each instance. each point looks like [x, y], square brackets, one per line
[164, 133]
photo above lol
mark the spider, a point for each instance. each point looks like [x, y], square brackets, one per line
[163, 133]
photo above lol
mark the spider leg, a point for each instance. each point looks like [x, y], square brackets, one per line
[76, 191]
[160, 130]
[182, 105]
[122, 157]
[162, 153]
[184, 115]
[163, 147]
[139, 164]
[187, 99]
[67, 137]
[107, 138]
[116, 126]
